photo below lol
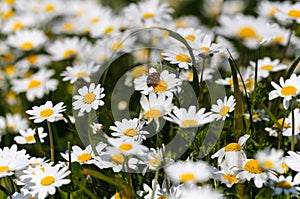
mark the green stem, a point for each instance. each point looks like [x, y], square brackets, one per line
[293, 129]
[51, 141]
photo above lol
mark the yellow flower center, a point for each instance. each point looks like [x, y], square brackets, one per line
[139, 71]
[9, 70]
[252, 166]
[4, 168]
[190, 76]
[27, 45]
[294, 13]
[278, 39]
[255, 116]
[272, 12]
[187, 177]
[81, 74]
[46, 113]
[156, 161]
[224, 110]
[84, 157]
[267, 67]
[34, 84]
[95, 20]
[130, 132]
[125, 147]
[247, 32]
[268, 164]
[117, 159]
[189, 123]
[183, 58]
[180, 23]
[68, 26]
[161, 86]
[48, 180]
[280, 121]
[162, 197]
[205, 49]
[17, 26]
[285, 168]
[152, 114]
[230, 178]
[233, 147]
[30, 138]
[283, 185]
[32, 59]
[8, 14]
[69, 53]
[288, 90]
[49, 8]
[108, 30]
[249, 83]
[89, 98]
[190, 37]
[148, 15]
[119, 196]
[11, 95]
[117, 45]
[10, 1]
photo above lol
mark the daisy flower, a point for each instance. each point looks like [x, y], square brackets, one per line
[112, 158]
[232, 154]
[287, 89]
[18, 22]
[15, 122]
[268, 8]
[266, 65]
[205, 47]
[84, 71]
[292, 161]
[163, 82]
[127, 146]
[222, 108]
[258, 115]
[155, 106]
[288, 12]
[252, 169]
[66, 48]
[148, 13]
[37, 85]
[85, 156]
[227, 176]
[46, 112]
[188, 75]
[134, 73]
[33, 60]
[189, 118]
[188, 172]
[130, 128]
[27, 137]
[190, 34]
[270, 159]
[284, 185]
[253, 31]
[289, 126]
[89, 98]
[26, 40]
[44, 180]
[12, 160]
[178, 56]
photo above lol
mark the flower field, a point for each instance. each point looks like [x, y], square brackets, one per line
[149, 99]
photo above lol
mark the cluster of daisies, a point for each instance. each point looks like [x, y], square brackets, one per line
[50, 51]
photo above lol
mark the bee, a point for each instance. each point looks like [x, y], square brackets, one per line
[153, 79]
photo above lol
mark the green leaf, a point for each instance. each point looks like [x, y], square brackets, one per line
[292, 68]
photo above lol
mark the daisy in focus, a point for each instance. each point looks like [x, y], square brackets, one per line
[85, 156]
[163, 82]
[232, 154]
[89, 98]
[189, 118]
[127, 146]
[46, 112]
[155, 106]
[44, 180]
[27, 137]
[222, 109]
[130, 128]
[287, 90]
[178, 56]
[285, 185]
